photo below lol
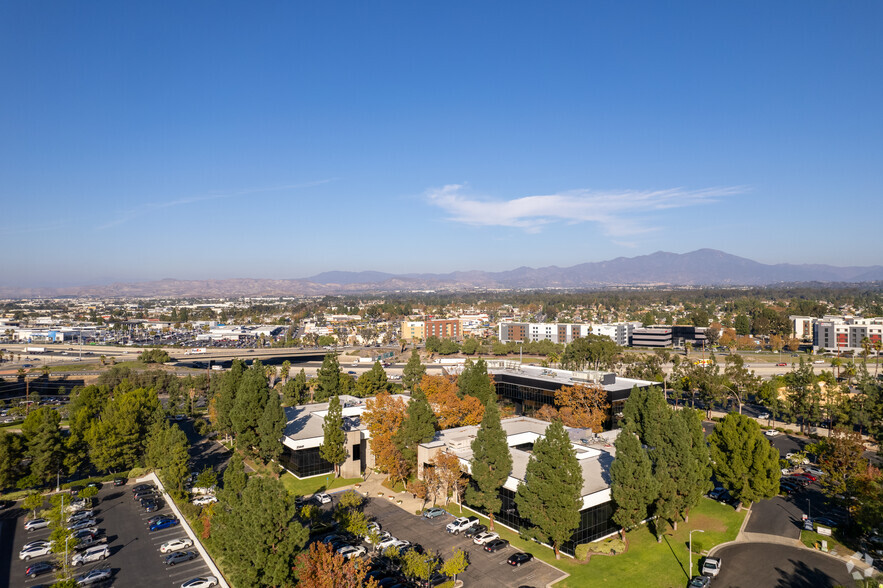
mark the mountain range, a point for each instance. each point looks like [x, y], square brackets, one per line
[704, 267]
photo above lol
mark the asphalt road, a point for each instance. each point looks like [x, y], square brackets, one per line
[750, 565]
[776, 516]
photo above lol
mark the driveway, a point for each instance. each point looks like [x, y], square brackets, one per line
[775, 516]
[749, 565]
[485, 569]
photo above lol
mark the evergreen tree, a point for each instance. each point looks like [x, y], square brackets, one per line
[491, 462]
[225, 392]
[633, 487]
[10, 457]
[294, 390]
[234, 479]
[418, 427]
[413, 371]
[551, 495]
[743, 461]
[168, 452]
[260, 537]
[646, 412]
[328, 378]
[372, 382]
[270, 429]
[44, 443]
[333, 449]
[251, 400]
[85, 406]
[475, 381]
[701, 483]
[117, 440]
[675, 469]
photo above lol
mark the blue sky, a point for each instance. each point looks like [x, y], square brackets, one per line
[192, 140]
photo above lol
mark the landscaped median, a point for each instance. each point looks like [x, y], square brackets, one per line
[646, 563]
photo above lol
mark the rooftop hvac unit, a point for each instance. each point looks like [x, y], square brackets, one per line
[460, 443]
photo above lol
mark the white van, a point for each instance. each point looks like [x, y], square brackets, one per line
[92, 554]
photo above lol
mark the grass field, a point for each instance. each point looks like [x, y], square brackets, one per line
[315, 484]
[647, 564]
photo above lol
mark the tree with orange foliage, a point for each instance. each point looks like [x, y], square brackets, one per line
[384, 416]
[546, 412]
[322, 567]
[451, 408]
[581, 406]
[449, 473]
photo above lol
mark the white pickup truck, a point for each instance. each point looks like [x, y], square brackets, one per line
[461, 524]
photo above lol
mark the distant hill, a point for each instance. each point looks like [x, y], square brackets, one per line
[704, 267]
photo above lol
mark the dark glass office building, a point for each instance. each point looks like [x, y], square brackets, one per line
[304, 462]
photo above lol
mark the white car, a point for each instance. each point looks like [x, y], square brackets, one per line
[349, 551]
[175, 545]
[461, 524]
[203, 582]
[92, 554]
[34, 524]
[771, 432]
[322, 498]
[37, 543]
[399, 544]
[387, 542]
[204, 500]
[381, 537]
[483, 538]
[80, 515]
[763, 415]
[814, 471]
[711, 567]
[372, 528]
[35, 551]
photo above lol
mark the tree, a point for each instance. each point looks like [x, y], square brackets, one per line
[155, 356]
[269, 429]
[32, 502]
[294, 390]
[491, 462]
[235, 480]
[286, 369]
[118, 438]
[593, 351]
[456, 564]
[701, 484]
[322, 567]
[551, 495]
[475, 381]
[646, 412]
[328, 378]
[743, 460]
[633, 486]
[418, 427]
[224, 396]
[383, 416]
[10, 458]
[451, 408]
[169, 451]
[372, 381]
[333, 448]
[252, 396]
[260, 537]
[449, 473]
[44, 443]
[413, 371]
[743, 325]
[840, 456]
[677, 469]
[583, 407]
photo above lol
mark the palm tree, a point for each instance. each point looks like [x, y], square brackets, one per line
[866, 350]
[836, 362]
[878, 346]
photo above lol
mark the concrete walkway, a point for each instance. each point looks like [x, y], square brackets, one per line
[373, 487]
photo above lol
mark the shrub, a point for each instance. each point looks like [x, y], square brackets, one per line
[202, 427]
[189, 510]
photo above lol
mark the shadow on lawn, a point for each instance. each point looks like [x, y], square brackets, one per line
[680, 563]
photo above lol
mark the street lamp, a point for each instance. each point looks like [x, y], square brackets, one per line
[691, 549]
[809, 506]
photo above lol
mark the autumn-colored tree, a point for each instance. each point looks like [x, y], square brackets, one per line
[585, 407]
[322, 567]
[451, 409]
[384, 416]
[449, 472]
[546, 412]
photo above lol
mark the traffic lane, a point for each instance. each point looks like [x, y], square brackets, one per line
[775, 516]
[748, 565]
[485, 569]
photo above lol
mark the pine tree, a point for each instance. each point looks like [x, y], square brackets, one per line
[252, 396]
[224, 390]
[44, 443]
[372, 382]
[413, 372]
[333, 448]
[418, 427]
[475, 381]
[633, 487]
[743, 461]
[10, 457]
[646, 412]
[551, 495]
[328, 378]
[675, 469]
[699, 448]
[491, 462]
[270, 428]
[234, 479]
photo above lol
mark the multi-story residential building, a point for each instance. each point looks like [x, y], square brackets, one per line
[443, 328]
[564, 332]
[802, 327]
[833, 333]
[412, 331]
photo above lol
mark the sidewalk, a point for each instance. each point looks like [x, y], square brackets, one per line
[372, 487]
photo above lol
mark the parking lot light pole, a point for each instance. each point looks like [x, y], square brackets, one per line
[809, 506]
[691, 549]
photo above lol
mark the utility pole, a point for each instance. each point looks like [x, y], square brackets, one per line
[691, 549]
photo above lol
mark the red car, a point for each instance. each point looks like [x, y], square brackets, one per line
[781, 364]
[808, 476]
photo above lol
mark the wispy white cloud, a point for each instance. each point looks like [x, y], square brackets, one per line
[127, 215]
[618, 213]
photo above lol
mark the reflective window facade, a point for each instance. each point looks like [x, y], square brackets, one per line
[304, 462]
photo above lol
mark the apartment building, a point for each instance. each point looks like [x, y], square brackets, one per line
[443, 328]
[412, 331]
[833, 333]
[564, 332]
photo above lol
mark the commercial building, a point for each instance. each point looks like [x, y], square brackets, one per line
[595, 453]
[412, 331]
[443, 329]
[845, 333]
[802, 327]
[668, 336]
[563, 332]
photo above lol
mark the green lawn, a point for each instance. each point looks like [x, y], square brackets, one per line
[647, 563]
[315, 484]
[75, 367]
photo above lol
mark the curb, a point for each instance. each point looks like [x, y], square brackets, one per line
[186, 525]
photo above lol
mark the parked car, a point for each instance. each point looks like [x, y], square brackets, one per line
[486, 537]
[41, 567]
[83, 533]
[711, 567]
[386, 542]
[94, 577]
[82, 524]
[771, 432]
[80, 515]
[28, 553]
[496, 545]
[179, 557]
[155, 518]
[351, 551]
[90, 555]
[322, 498]
[519, 558]
[204, 500]
[808, 476]
[151, 505]
[461, 524]
[164, 524]
[825, 522]
[431, 513]
[37, 543]
[763, 415]
[813, 470]
[700, 582]
[34, 524]
[145, 495]
[201, 582]
[474, 530]
[716, 493]
[176, 544]
[142, 488]
[120, 481]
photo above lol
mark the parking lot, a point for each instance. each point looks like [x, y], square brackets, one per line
[485, 569]
[135, 559]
